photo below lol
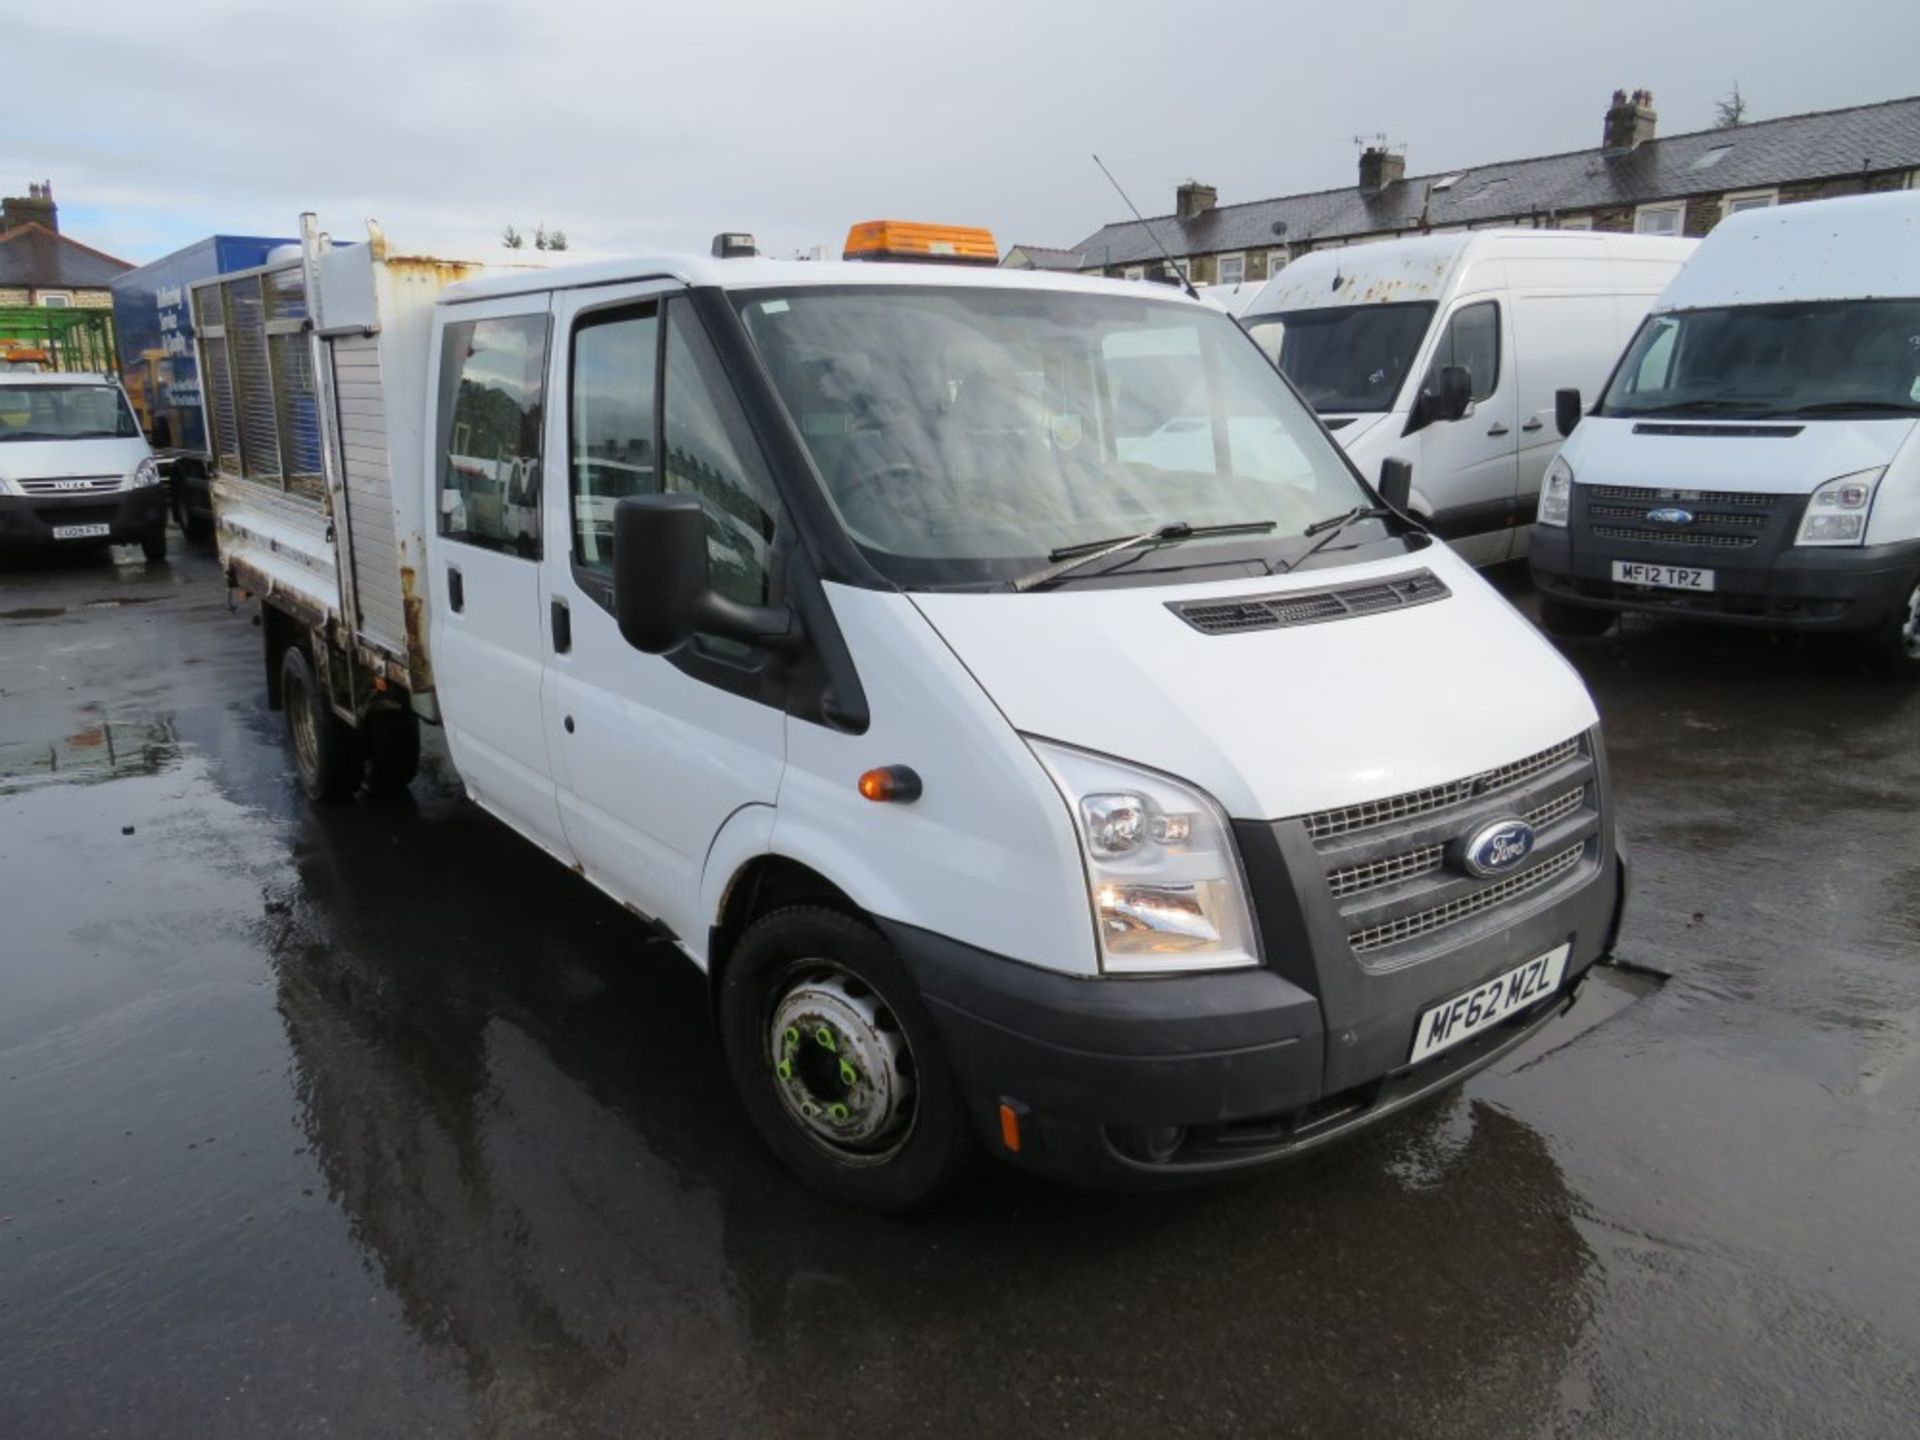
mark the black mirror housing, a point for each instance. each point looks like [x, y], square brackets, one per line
[663, 591]
[1396, 484]
[1456, 392]
[1566, 411]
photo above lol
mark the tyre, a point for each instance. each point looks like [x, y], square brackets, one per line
[1573, 622]
[393, 751]
[839, 1066]
[327, 754]
[153, 544]
[1893, 649]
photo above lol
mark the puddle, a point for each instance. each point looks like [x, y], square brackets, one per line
[47, 612]
[103, 751]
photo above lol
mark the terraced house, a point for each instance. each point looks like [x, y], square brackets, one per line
[1634, 180]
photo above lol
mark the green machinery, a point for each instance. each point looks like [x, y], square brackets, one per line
[36, 337]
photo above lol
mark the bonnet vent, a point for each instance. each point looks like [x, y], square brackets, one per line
[1310, 607]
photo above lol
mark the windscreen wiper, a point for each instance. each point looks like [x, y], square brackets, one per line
[1329, 529]
[1067, 558]
[1701, 406]
[1835, 407]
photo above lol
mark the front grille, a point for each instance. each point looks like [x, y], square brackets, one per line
[1393, 869]
[1745, 520]
[1693, 540]
[1310, 607]
[1638, 495]
[1348, 819]
[70, 485]
[1421, 922]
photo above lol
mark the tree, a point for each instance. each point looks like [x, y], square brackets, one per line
[512, 238]
[1730, 110]
[545, 239]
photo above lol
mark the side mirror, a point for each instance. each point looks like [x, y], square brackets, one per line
[1566, 411]
[663, 591]
[1456, 392]
[1396, 484]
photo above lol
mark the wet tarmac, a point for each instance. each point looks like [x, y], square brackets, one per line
[374, 1121]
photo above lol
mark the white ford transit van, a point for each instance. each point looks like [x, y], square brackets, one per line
[1753, 458]
[74, 467]
[1368, 333]
[1029, 771]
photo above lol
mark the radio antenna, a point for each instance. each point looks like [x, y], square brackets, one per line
[1165, 253]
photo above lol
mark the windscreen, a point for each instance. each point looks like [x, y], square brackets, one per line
[965, 434]
[64, 412]
[1345, 358]
[1838, 358]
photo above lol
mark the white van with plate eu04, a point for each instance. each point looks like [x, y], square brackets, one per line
[1446, 351]
[74, 467]
[1753, 460]
[997, 683]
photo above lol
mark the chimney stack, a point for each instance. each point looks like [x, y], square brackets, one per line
[36, 207]
[1193, 200]
[1630, 121]
[1380, 167]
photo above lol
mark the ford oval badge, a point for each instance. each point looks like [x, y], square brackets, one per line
[1497, 848]
[1670, 515]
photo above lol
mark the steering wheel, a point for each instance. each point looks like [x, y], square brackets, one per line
[853, 490]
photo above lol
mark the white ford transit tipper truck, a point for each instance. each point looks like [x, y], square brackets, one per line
[1754, 458]
[1018, 786]
[1370, 333]
[74, 467]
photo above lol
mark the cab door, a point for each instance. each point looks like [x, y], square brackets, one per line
[489, 652]
[654, 753]
[1468, 468]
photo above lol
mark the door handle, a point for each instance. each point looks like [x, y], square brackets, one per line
[1533, 424]
[456, 590]
[1498, 429]
[562, 621]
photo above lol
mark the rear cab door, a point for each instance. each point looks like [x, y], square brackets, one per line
[655, 754]
[488, 642]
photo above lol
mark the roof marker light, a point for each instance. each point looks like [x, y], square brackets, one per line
[911, 240]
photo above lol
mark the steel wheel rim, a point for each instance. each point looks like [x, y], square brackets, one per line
[840, 1063]
[306, 743]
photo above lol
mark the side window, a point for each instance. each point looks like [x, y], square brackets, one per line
[1472, 339]
[1656, 359]
[612, 429]
[707, 452]
[491, 376]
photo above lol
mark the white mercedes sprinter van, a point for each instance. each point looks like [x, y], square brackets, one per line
[1135, 809]
[1369, 333]
[1753, 459]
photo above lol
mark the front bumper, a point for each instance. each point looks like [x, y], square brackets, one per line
[1837, 589]
[30, 520]
[1243, 1064]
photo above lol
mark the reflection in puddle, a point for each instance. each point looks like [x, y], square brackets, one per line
[105, 750]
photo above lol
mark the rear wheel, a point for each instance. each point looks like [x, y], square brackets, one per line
[1573, 622]
[153, 544]
[1893, 650]
[838, 1064]
[327, 754]
[393, 751]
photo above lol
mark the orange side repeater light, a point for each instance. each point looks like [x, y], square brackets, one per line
[897, 783]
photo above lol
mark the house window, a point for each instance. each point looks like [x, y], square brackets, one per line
[1233, 269]
[1574, 222]
[1276, 261]
[1667, 219]
[1749, 200]
[56, 299]
[1134, 272]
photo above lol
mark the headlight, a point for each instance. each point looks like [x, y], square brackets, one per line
[1164, 876]
[145, 473]
[1556, 493]
[1837, 511]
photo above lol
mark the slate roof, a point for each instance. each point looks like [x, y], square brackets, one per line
[1825, 144]
[32, 255]
[1047, 257]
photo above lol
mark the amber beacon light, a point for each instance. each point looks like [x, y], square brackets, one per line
[911, 240]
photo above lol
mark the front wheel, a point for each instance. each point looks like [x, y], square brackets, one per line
[1893, 649]
[326, 752]
[838, 1063]
[1573, 622]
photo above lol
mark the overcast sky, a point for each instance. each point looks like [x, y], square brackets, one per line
[637, 126]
